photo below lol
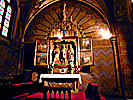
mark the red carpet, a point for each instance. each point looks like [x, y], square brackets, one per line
[79, 96]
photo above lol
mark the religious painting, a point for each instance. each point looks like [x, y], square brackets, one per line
[85, 44]
[41, 58]
[86, 58]
[85, 51]
[40, 52]
[41, 45]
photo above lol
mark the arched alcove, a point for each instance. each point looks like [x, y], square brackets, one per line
[88, 20]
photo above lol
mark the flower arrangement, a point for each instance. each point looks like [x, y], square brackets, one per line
[52, 66]
[71, 65]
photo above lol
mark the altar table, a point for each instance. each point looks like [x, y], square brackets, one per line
[61, 78]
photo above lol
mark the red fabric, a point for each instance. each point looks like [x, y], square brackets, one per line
[23, 83]
[79, 96]
[61, 66]
[20, 95]
[93, 84]
[101, 97]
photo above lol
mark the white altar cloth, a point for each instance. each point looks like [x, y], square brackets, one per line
[72, 76]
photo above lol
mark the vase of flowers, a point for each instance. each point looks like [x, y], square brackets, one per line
[71, 67]
[51, 68]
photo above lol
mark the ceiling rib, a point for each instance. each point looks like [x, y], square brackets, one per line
[85, 22]
[81, 19]
[52, 17]
[77, 12]
[57, 15]
[47, 20]
[88, 27]
[76, 15]
[44, 25]
[89, 32]
[41, 30]
[71, 14]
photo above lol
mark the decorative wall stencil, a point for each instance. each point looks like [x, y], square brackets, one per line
[104, 70]
[86, 78]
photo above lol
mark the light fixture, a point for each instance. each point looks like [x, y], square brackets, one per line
[105, 33]
[59, 35]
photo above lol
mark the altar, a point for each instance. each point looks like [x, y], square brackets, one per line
[61, 79]
[64, 54]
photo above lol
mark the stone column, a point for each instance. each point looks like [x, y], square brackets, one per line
[118, 73]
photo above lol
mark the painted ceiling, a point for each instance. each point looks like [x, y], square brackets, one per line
[88, 18]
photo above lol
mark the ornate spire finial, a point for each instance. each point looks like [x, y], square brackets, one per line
[64, 12]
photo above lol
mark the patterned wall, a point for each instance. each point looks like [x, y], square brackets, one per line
[8, 61]
[122, 32]
[103, 69]
[123, 29]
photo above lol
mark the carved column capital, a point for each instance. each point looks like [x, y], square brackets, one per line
[113, 38]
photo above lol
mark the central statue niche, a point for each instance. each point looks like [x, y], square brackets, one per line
[63, 52]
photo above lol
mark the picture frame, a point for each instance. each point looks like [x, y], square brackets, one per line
[85, 51]
[86, 58]
[85, 43]
[41, 45]
[41, 52]
[41, 58]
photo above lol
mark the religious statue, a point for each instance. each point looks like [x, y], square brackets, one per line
[70, 54]
[56, 54]
[64, 13]
[63, 54]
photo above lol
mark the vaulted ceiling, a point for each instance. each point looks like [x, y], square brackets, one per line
[89, 16]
